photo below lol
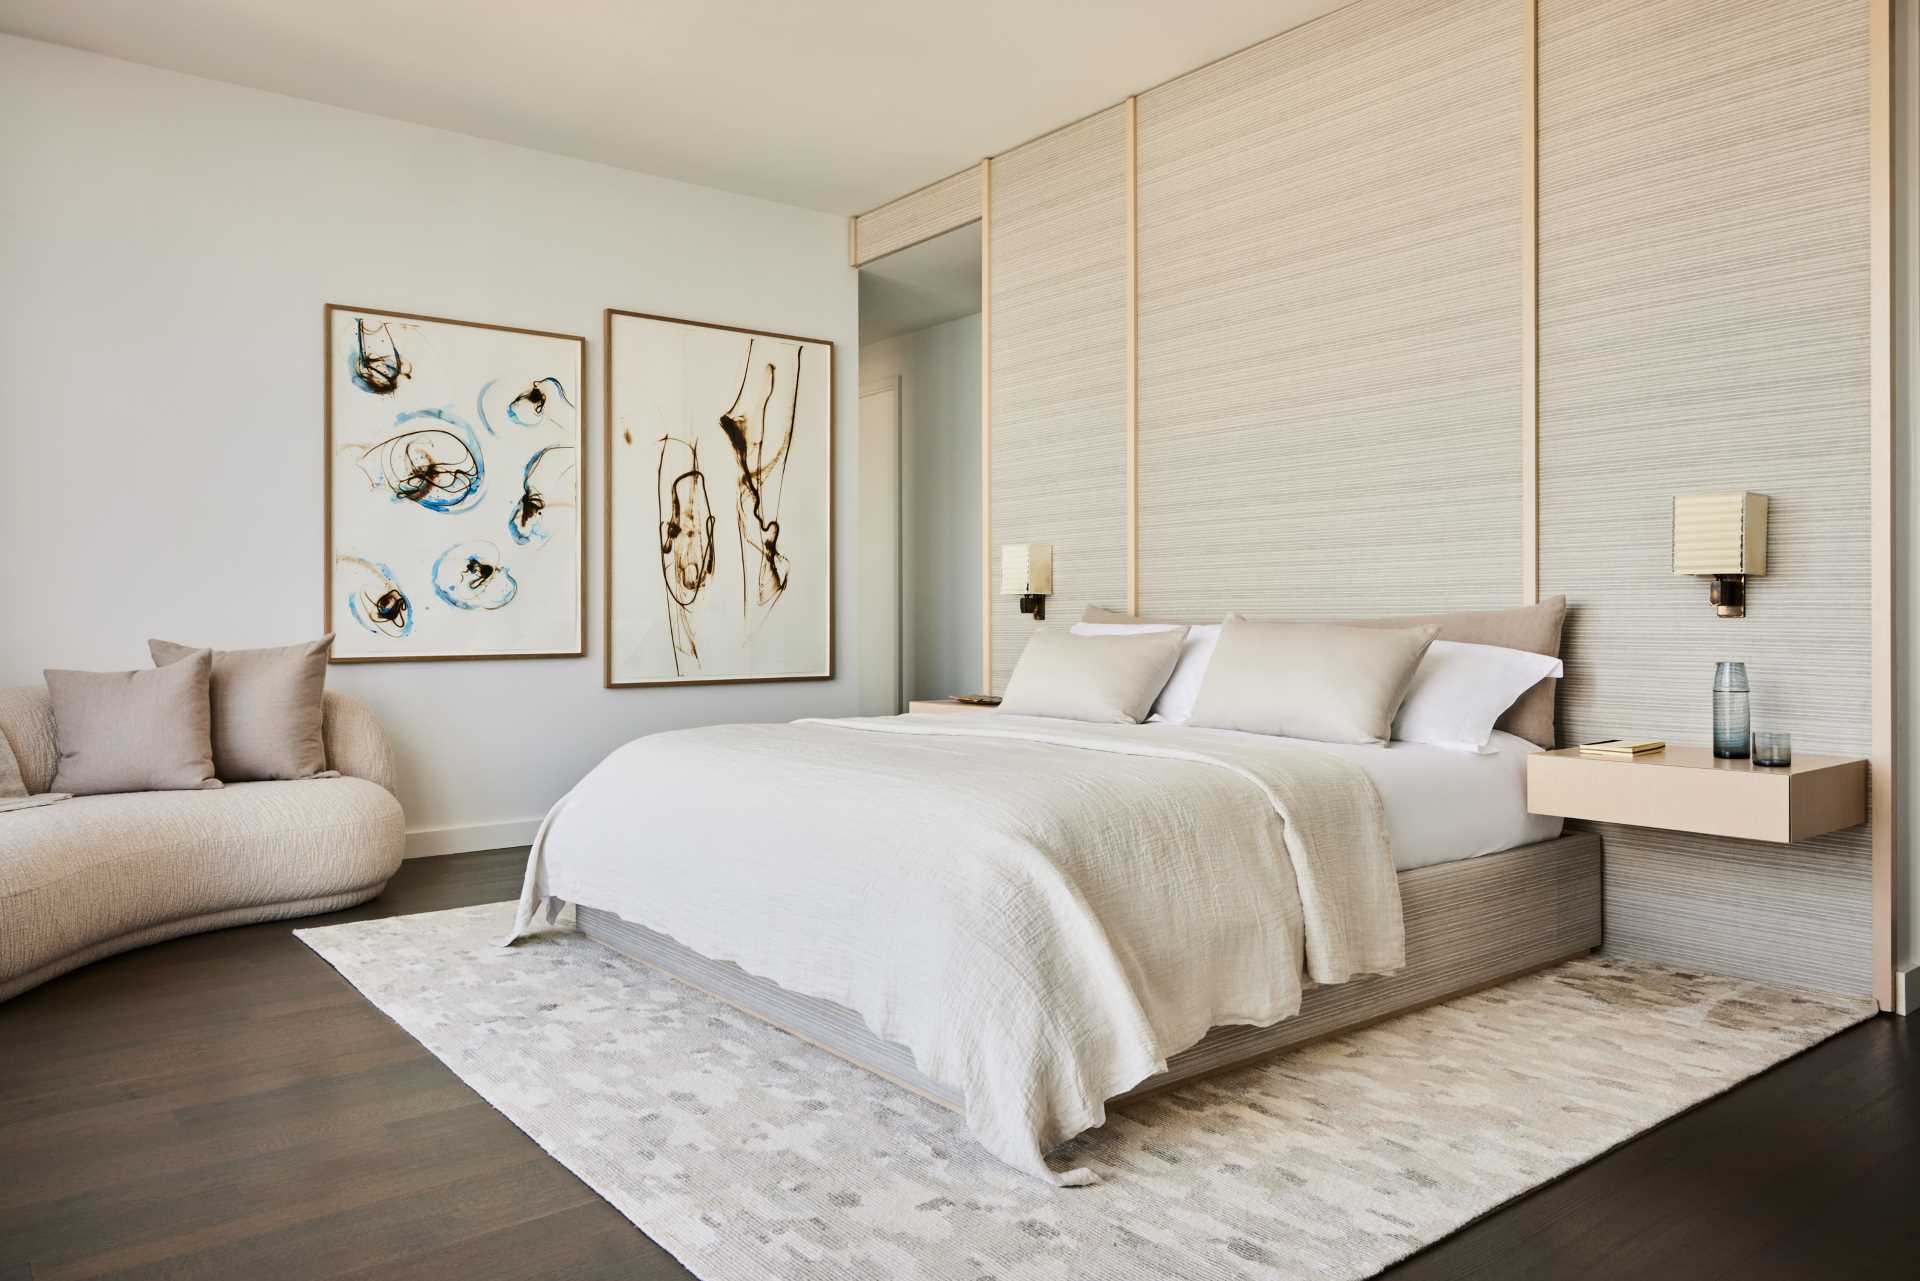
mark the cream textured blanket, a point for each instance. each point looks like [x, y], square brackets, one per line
[1041, 911]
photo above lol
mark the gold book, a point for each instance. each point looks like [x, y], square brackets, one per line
[1622, 747]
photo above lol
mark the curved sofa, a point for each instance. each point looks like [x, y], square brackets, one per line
[88, 877]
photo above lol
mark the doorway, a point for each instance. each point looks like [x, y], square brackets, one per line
[920, 339]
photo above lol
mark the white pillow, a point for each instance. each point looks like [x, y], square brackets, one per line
[1460, 690]
[1112, 679]
[1175, 704]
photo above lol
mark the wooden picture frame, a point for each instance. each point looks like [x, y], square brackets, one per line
[444, 399]
[642, 438]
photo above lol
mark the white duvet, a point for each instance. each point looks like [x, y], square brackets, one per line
[1041, 911]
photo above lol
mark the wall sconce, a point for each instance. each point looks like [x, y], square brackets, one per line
[1026, 571]
[1722, 536]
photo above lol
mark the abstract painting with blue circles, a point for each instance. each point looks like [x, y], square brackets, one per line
[453, 489]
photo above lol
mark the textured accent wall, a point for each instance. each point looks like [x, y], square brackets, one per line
[919, 215]
[1703, 325]
[1330, 274]
[1330, 259]
[1059, 352]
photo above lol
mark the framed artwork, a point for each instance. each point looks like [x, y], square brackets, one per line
[719, 484]
[453, 498]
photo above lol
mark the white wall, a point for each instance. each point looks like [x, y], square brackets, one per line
[166, 245]
[939, 372]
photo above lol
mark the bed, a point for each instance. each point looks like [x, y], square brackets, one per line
[1024, 919]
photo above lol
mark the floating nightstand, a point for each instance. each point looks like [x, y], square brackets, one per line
[1689, 789]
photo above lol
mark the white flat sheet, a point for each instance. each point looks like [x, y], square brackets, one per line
[1444, 805]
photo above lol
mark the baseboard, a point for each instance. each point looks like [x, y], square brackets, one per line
[1906, 989]
[429, 842]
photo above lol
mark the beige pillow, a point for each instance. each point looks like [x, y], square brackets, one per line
[1320, 681]
[1533, 628]
[266, 708]
[133, 731]
[1112, 679]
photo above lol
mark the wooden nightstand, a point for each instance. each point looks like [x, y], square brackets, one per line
[1689, 789]
[944, 705]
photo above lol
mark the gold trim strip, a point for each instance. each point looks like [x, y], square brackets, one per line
[1880, 417]
[1133, 358]
[1530, 322]
[986, 425]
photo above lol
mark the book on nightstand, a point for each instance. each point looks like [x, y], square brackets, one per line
[1623, 749]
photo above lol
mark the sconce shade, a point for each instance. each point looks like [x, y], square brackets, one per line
[1026, 569]
[1715, 534]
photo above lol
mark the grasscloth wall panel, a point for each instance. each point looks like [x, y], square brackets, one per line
[1329, 369]
[1059, 351]
[1704, 325]
[919, 215]
[1331, 234]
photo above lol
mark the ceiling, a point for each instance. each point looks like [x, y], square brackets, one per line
[838, 105]
[928, 284]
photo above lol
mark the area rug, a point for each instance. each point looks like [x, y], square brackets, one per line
[752, 1155]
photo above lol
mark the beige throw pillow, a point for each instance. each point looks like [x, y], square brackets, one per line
[266, 708]
[1111, 679]
[133, 731]
[1321, 681]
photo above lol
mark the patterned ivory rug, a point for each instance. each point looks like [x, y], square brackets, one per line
[752, 1155]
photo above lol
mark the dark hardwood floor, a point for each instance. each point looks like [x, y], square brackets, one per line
[227, 1106]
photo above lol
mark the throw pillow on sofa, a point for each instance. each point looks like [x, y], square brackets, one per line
[134, 731]
[266, 708]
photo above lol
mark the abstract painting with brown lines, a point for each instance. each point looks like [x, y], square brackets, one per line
[700, 415]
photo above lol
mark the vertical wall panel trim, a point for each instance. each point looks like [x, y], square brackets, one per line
[986, 424]
[1530, 319]
[1133, 359]
[1880, 402]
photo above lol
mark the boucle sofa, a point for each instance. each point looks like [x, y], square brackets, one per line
[87, 877]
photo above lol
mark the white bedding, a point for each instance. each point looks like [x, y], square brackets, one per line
[1444, 805]
[1042, 912]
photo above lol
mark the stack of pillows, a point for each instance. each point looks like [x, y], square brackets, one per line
[1434, 680]
[200, 718]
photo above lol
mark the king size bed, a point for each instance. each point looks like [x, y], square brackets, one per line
[1027, 917]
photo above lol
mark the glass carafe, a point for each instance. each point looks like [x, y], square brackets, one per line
[1732, 713]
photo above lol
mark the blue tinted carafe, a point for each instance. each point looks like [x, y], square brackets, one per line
[1732, 714]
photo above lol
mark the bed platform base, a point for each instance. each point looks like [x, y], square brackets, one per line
[1470, 925]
